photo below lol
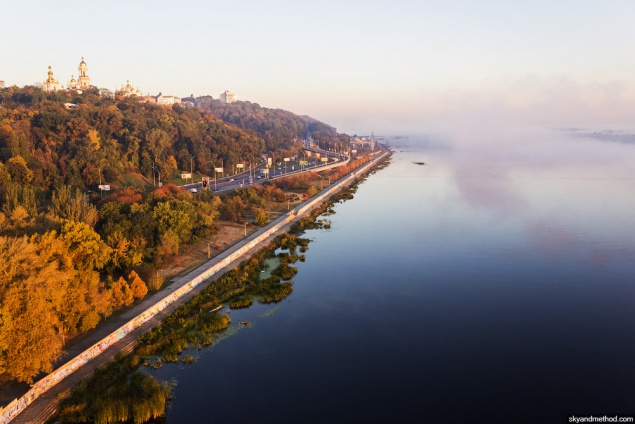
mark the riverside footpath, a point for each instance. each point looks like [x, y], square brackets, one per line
[120, 334]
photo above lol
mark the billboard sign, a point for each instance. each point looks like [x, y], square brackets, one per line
[219, 169]
[186, 176]
[287, 159]
[240, 165]
[104, 187]
[324, 159]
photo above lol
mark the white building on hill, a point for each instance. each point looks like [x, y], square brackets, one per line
[227, 97]
[50, 84]
[83, 81]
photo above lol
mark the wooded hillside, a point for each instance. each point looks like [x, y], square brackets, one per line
[71, 258]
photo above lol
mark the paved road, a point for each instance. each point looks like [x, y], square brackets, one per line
[44, 406]
[254, 176]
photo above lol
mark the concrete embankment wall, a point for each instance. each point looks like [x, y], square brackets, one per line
[196, 277]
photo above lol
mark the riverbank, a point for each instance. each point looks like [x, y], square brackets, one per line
[36, 403]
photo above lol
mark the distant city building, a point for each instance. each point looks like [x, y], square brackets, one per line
[189, 102]
[168, 100]
[50, 84]
[363, 143]
[149, 99]
[129, 90]
[1, 84]
[227, 97]
[191, 99]
[83, 81]
[161, 99]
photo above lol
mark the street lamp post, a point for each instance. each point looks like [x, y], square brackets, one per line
[158, 173]
[252, 164]
[192, 168]
[273, 163]
[214, 165]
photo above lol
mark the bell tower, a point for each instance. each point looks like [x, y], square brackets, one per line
[83, 81]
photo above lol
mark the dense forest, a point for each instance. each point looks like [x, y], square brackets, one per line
[70, 257]
[279, 128]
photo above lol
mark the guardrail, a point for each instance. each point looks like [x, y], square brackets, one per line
[202, 273]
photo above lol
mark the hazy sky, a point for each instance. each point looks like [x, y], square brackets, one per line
[382, 66]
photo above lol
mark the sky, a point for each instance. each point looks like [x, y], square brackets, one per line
[383, 66]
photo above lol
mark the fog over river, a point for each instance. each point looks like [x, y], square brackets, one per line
[495, 283]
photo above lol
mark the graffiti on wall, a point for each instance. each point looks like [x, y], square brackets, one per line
[18, 405]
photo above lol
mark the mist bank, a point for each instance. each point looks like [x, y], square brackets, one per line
[532, 100]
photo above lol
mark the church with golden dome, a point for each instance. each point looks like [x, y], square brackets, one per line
[83, 81]
[50, 84]
[128, 90]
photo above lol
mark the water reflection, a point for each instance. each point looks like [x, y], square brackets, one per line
[493, 284]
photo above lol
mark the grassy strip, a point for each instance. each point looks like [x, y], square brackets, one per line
[120, 392]
[242, 302]
[116, 393]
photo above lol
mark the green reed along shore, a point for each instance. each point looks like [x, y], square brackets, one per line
[121, 392]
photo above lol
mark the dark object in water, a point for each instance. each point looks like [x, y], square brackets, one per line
[419, 163]
[243, 322]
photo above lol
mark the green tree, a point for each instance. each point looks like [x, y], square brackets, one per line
[73, 206]
[177, 216]
[84, 245]
[168, 245]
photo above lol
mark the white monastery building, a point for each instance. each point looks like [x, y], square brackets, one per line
[50, 84]
[83, 81]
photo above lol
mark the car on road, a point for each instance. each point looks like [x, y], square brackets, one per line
[193, 190]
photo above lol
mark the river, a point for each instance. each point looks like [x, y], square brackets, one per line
[495, 283]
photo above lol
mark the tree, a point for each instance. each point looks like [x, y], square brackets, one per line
[119, 244]
[84, 245]
[168, 245]
[232, 208]
[138, 287]
[262, 217]
[93, 140]
[30, 330]
[19, 171]
[169, 167]
[5, 177]
[121, 294]
[73, 206]
[18, 195]
[177, 216]
[156, 281]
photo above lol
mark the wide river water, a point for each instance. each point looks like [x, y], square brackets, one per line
[495, 283]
